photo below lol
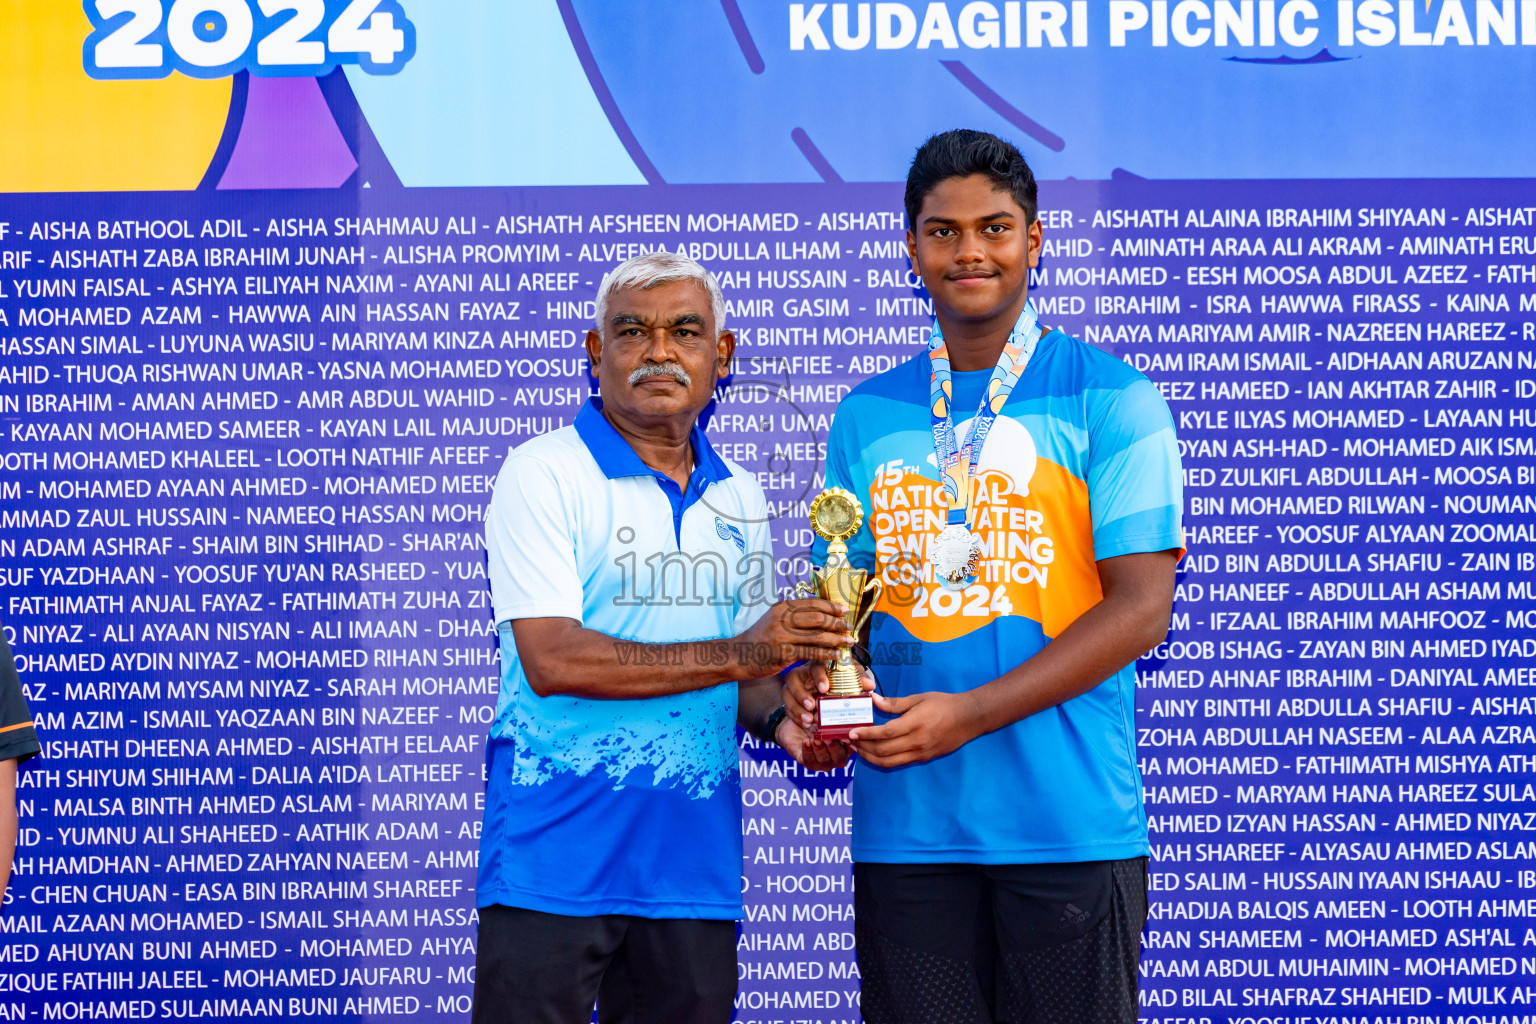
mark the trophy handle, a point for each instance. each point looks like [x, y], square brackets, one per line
[878, 586]
[804, 589]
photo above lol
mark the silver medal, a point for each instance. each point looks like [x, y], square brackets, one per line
[954, 554]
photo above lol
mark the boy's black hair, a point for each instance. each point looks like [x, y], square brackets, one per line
[959, 154]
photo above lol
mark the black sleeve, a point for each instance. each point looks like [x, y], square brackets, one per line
[18, 739]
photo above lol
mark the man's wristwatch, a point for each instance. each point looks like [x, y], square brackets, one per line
[770, 725]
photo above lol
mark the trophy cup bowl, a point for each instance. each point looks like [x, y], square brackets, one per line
[835, 516]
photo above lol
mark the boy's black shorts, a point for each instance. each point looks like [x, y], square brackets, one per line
[538, 968]
[982, 943]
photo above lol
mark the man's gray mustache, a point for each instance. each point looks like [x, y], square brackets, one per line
[673, 370]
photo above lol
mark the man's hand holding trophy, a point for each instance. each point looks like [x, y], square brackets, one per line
[845, 704]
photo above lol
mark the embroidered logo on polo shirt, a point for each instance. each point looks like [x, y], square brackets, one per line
[725, 531]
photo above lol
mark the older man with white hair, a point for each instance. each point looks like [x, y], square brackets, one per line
[634, 590]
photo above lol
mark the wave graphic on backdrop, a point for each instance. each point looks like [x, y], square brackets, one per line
[749, 100]
[65, 132]
[576, 92]
[288, 139]
[1284, 60]
[497, 95]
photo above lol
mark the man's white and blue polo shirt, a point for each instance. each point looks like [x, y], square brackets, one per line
[619, 806]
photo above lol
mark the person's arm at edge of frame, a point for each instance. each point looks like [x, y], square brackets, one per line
[9, 823]
[1132, 618]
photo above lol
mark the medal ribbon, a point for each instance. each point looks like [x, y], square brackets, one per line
[1011, 363]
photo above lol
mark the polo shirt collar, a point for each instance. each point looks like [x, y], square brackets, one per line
[617, 459]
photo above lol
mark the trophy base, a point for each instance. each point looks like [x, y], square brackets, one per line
[836, 717]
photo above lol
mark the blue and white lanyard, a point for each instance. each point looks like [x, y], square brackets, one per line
[1011, 363]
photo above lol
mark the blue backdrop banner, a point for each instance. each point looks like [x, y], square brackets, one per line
[272, 315]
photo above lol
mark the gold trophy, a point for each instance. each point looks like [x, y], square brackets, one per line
[837, 515]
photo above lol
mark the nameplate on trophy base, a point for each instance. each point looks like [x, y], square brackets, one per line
[836, 717]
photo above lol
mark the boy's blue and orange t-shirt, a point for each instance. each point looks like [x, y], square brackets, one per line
[1081, 465]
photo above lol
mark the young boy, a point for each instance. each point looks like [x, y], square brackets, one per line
[1028, 543]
